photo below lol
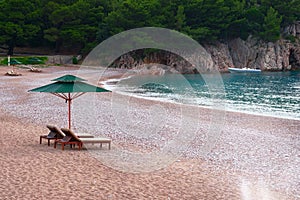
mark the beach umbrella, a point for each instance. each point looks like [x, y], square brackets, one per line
[68, 87]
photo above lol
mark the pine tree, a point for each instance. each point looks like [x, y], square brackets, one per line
[271, 26]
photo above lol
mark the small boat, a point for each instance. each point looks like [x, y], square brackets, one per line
[243, 70]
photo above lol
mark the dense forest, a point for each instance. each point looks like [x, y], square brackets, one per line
[82, 24]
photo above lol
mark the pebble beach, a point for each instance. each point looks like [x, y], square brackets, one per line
[250, 156]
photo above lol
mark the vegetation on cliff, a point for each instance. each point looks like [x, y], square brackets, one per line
[81, 24]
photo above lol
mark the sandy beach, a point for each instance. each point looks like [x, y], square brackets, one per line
[253, 157]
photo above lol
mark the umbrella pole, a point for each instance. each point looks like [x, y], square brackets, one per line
[69, 107]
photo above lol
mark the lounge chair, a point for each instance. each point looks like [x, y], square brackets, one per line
[67, 140]
[72, 139]
[12, 73]
[53, 134]
[56, 133]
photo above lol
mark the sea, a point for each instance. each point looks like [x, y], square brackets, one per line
[275, 94]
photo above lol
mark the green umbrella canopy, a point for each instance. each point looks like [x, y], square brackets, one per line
[68, 78]
[15, 62]
[68, 87]
[68, 84]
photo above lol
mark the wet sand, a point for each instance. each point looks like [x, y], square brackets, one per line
[254, 157]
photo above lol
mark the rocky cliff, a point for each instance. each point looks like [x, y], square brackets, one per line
[252, 53]
[255, 54]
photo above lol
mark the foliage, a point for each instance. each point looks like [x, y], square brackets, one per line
[78, 25]
[75, 60]
[271, 26]
[291, 38]
[19, 22]
[288, 9]
[26, 60]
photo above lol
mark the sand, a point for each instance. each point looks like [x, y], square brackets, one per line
[254, 157]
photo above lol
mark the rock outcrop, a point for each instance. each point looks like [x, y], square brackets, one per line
[293, 29]
[253, 53]
[60, 59]
[260, 55]
[221, 56]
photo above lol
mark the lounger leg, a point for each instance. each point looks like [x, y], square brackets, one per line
[48, 142]
[55, 144]
[40, 139]
[109, 145]
[62, 146]
[101, 145]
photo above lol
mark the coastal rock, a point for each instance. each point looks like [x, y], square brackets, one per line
[251, 53]
[180, 66]
[274, 57]
[151, 70]
[242, 53]
[126, 61]
[293, 29]
[294, 57]
[221, 55]
[60, 59]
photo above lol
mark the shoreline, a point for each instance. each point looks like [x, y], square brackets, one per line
[204, 107]
[232, 166]
[117, 78]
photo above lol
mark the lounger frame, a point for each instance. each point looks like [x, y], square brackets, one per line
[72, 139]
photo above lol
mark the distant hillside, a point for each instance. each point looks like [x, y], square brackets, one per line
[77, 26]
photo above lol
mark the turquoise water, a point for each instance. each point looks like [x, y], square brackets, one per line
[271, 93]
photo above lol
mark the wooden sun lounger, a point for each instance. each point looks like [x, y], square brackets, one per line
[53, 135]
[56, 133]
[67, 140]
[72, 139]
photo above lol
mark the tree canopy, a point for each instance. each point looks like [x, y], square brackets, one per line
[81, 24]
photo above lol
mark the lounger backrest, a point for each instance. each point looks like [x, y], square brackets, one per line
[59, 132]
[52, 133]
[70, 133]
[55, 132]
[66, 139]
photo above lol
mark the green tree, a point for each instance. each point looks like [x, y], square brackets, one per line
[19, 22]
[288, 9]
[180, 18]
[239, 28]
[80, 24]
[131, 14]
[248, 23]
[255, 20]
[73, 26]
[271, 26]
[211, 17]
